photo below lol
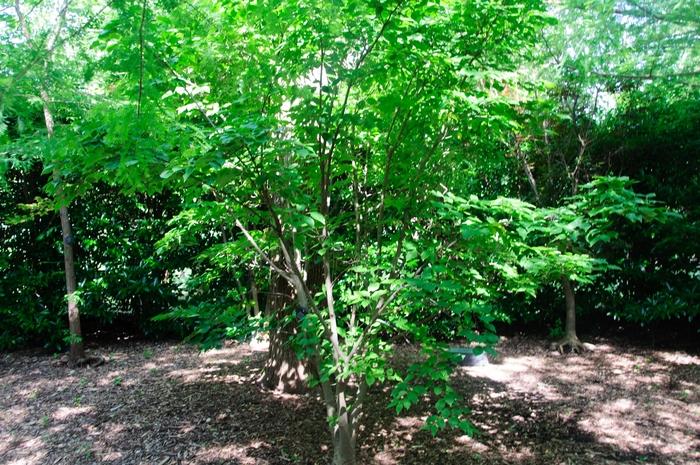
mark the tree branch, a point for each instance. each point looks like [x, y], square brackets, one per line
[260, 252]
[46, 53]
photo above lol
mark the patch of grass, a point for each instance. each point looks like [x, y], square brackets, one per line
[147, 353]
[86, 451]
[83, 382]
[45, 420]
[117, 381]
[77, 401]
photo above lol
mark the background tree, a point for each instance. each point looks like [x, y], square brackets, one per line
[114, 287]
[41, 40]
[597, 57]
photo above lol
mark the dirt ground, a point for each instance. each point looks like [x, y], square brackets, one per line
[168, 404]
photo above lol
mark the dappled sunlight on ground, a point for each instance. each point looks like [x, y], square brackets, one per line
[30, 451]
[385, 458]
[470, 443]
[523, 374]
[65, 413]
[229, 453]
[167, 404]
[629, 401]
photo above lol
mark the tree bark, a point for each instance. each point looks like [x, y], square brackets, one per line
[343, 430]
[570, 326]
[570, 338]
[77, 349]
[344, 442]
[283, 371]
[528, 171]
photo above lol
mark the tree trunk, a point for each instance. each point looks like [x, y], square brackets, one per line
[77, 350]
[255, 303]
[344, 442]
[570, 338]
[570, 327]
[283, 372]
[344, 434]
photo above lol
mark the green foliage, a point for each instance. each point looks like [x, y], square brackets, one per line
[658, 146]
[430, 379]
[121, 282]
[351, 173]
[528, 246]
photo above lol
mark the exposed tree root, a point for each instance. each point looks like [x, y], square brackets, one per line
[88, 361]
[572, 342]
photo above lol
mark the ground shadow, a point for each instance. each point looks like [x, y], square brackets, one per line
[164, 404]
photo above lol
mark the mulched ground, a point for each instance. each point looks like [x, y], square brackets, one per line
[168, 404]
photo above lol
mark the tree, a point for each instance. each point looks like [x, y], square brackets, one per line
[597, 211]
[626, 42]
[318, 130]
[555, 244]
[596, 54]
[42, 40]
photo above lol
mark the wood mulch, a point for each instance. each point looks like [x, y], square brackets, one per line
[166, 403]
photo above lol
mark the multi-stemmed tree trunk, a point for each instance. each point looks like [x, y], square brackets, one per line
[292, 286]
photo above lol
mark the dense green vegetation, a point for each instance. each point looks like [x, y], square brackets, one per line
[346, 174]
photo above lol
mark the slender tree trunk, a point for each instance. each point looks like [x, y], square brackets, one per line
[528, 171]
[570, 327]
[77, 350]
[570, 338]
[255, 303]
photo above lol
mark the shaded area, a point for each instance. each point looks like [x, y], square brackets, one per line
[167, 404]
[615, 405]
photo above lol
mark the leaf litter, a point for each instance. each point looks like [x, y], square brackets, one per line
[166, 403]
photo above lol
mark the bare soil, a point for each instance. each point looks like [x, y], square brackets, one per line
[169, 404]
